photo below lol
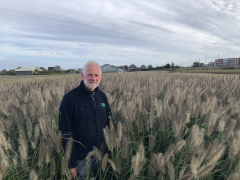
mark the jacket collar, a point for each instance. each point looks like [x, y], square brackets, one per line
[84, 89]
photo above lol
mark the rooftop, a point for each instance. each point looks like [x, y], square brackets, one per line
[27, 69]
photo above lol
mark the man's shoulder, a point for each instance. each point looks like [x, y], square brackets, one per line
[72, 93]
[102, 93]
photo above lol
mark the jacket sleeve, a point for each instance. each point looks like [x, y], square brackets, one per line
[65, 124]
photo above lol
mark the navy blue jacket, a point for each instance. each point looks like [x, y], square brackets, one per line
[82, 116]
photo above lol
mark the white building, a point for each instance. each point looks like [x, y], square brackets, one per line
[107, 68]
[26, 71]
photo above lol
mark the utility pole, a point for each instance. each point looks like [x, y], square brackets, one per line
[185, 62]
[194, 60]
[210, 57]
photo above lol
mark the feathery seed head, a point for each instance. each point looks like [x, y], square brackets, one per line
[119, 163]
[15, 161]
[53, 167]
[125, 147]
[205, 170]
[97, 154]
[112, 165]
[41, 152]
[188, 117]
[211, 123]
[194, 166]
[182, 171]
[49, 150]
[3, 169]
[29, 128]
[104, 162]
[169, 152]
[151, 117]
[171, 170]
[221, 125]
[108, 138]
[139, 159]
[68, 149]
[120, 133]
[152, 140]
[179, 146]
[90, 154]
[59, 142]
[37, 134]
[33, 175]
[23, 145]
[25, 165]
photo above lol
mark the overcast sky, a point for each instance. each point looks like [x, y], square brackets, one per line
[119, 32]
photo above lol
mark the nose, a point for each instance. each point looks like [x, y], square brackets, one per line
[93, 78]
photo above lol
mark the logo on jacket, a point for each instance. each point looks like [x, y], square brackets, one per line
[103, 104]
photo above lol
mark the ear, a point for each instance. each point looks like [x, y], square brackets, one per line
[101, 77]
[82, 76]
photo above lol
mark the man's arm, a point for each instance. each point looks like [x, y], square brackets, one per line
[65, 124]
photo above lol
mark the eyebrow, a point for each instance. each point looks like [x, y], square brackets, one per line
[93, 74]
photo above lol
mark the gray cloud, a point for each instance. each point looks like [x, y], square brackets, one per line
[126, 31]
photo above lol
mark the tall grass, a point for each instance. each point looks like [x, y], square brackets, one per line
[164, 126]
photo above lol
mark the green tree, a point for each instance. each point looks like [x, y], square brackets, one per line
[149, 66]
[11, 72]
[172, 66]
[167, 66]
[197, 64]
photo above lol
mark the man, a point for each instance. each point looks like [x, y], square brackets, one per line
[83, 114]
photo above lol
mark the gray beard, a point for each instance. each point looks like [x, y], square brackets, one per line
[87, 84]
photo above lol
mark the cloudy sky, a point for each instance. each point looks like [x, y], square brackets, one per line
[71, 32]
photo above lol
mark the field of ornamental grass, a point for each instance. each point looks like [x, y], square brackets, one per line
[164, 126]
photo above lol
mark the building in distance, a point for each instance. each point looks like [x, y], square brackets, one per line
[227, 62]
[4, 71]
[72, 71]
[132, 67]
[107, 68]
[57, 68]
[26, 71]
[210, 64]
[43, 68]
[50, 68]
[80, 70]
[143, 67]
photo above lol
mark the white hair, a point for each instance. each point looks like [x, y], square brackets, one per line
[90, 63]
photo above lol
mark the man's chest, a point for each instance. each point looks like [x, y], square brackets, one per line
[90, 110]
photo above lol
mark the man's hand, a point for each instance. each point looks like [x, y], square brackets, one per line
[73, 173]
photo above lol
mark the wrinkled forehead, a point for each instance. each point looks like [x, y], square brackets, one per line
[93, 69]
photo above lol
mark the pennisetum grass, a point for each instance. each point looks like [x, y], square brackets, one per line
[164, 126]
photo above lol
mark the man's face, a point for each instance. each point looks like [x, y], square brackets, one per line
[92, 77]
